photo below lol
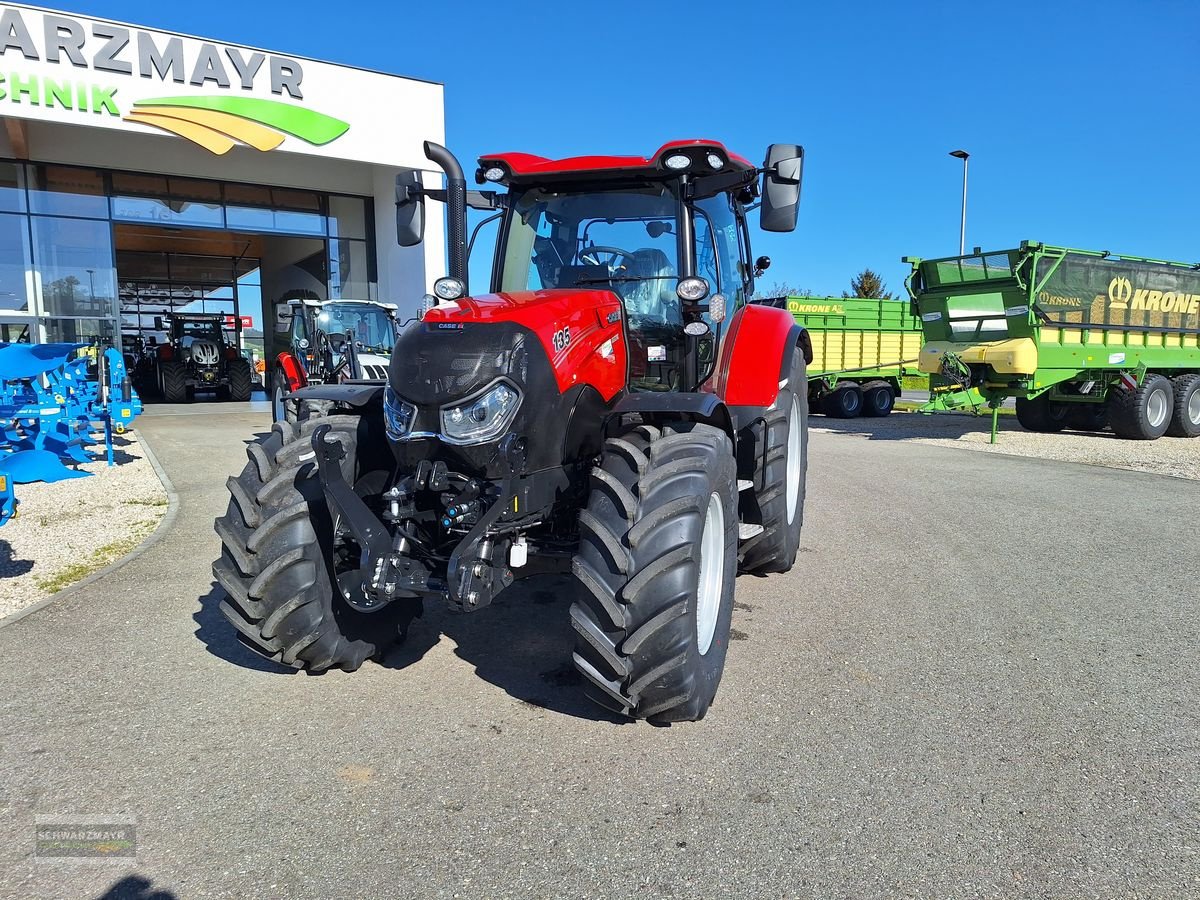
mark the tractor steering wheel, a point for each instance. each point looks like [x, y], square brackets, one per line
[594, 256]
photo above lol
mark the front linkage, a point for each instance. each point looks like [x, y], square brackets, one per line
[391, 566]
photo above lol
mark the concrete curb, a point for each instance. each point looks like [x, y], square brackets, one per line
[153, 538]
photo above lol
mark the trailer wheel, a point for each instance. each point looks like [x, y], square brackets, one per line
[1185, 420]
[780, 471]
[657, 560]
[173, 375]
[1143, 414]
[1088, 416]
[240, 384]
[878, 399]
[844, 402]
[1041, 415]
[282, 555]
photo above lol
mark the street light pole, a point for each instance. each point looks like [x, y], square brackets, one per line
[962, 227]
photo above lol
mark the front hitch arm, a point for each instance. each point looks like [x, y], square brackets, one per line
[370, 533]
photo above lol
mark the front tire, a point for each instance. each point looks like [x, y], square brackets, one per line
[240, 382]
[844, 402]
[657, 559]
[278, 554]
[780, 474]
[173, 375]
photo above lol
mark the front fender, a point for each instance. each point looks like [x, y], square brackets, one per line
[292, 371]
[756, 356]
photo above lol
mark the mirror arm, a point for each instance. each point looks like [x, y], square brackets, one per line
[475, 233]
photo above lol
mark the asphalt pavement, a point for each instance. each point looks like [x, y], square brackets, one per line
[980, 680]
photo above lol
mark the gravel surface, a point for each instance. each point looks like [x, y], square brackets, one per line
[1166, 456]
[67, 530]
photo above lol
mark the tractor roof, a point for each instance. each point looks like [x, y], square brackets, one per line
[525, 167]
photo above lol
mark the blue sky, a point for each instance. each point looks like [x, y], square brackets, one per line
[1080, 117]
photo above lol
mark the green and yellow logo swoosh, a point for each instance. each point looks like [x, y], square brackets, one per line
[220, 123]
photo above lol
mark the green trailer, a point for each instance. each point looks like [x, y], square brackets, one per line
[1082, 339]
[862, 350]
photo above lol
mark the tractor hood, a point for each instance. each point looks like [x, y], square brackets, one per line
[460, 347]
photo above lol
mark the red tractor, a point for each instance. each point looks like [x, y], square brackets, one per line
[614, 407]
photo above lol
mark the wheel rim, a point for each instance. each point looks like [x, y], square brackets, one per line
[793, 462]
[852, 402]
[712, 573]
[1156, 407]
[1193, 407]
[277, 403]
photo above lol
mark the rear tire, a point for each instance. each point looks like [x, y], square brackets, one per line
[240, 381]
[1040, 415]
[878, 399]
[1143, 414]
[1185, 420]
[277, 554]
[779, 478]
[657, 559]
[173, 376]
[844, 402]
[1088, 416]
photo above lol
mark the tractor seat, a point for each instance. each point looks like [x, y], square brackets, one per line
[655, 297]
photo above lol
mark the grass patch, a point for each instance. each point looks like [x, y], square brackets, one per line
[100, 558]
[915, 382]
[155, 501]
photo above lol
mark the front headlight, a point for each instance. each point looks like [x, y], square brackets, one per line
[482, 418]
[398, 415]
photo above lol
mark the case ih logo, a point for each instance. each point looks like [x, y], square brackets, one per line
[1123, 295]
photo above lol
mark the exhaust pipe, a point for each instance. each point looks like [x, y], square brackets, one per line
[456, 208]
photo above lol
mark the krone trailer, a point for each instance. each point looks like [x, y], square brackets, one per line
[1082, 339]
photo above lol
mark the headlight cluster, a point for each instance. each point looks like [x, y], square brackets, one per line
[473, 421]
[398, 415]
[483, 418]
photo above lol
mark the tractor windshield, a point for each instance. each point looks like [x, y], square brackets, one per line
[371, 325]
[623, 240]
[189, 330]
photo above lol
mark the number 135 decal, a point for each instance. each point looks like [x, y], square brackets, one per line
[561, 338]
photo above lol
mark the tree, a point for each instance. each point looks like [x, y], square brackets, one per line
[868, 284]
[782, 289]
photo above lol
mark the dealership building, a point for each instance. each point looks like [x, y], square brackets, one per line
[144, 172]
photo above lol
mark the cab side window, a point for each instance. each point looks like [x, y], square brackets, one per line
[726, 244]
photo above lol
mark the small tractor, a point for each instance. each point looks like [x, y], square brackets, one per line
[199, 357]
[330, 342]
[613, 408]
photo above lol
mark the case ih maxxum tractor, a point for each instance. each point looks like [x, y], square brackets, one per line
[614, 407]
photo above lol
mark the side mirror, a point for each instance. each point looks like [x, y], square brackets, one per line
[761, 265]
[781, 187]
[410, 209]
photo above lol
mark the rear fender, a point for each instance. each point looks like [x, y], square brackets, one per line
[670, 406]
[292, 371]
[756, 356]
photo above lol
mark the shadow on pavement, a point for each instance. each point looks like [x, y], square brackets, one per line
[906, 426]
[9, 567]
[135, 887]
[521, 643]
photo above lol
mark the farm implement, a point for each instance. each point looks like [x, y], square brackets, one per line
[52, 398]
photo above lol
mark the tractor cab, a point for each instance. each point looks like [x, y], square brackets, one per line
[667, 234]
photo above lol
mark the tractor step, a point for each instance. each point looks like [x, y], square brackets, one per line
[744, 484]
[747, 531]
